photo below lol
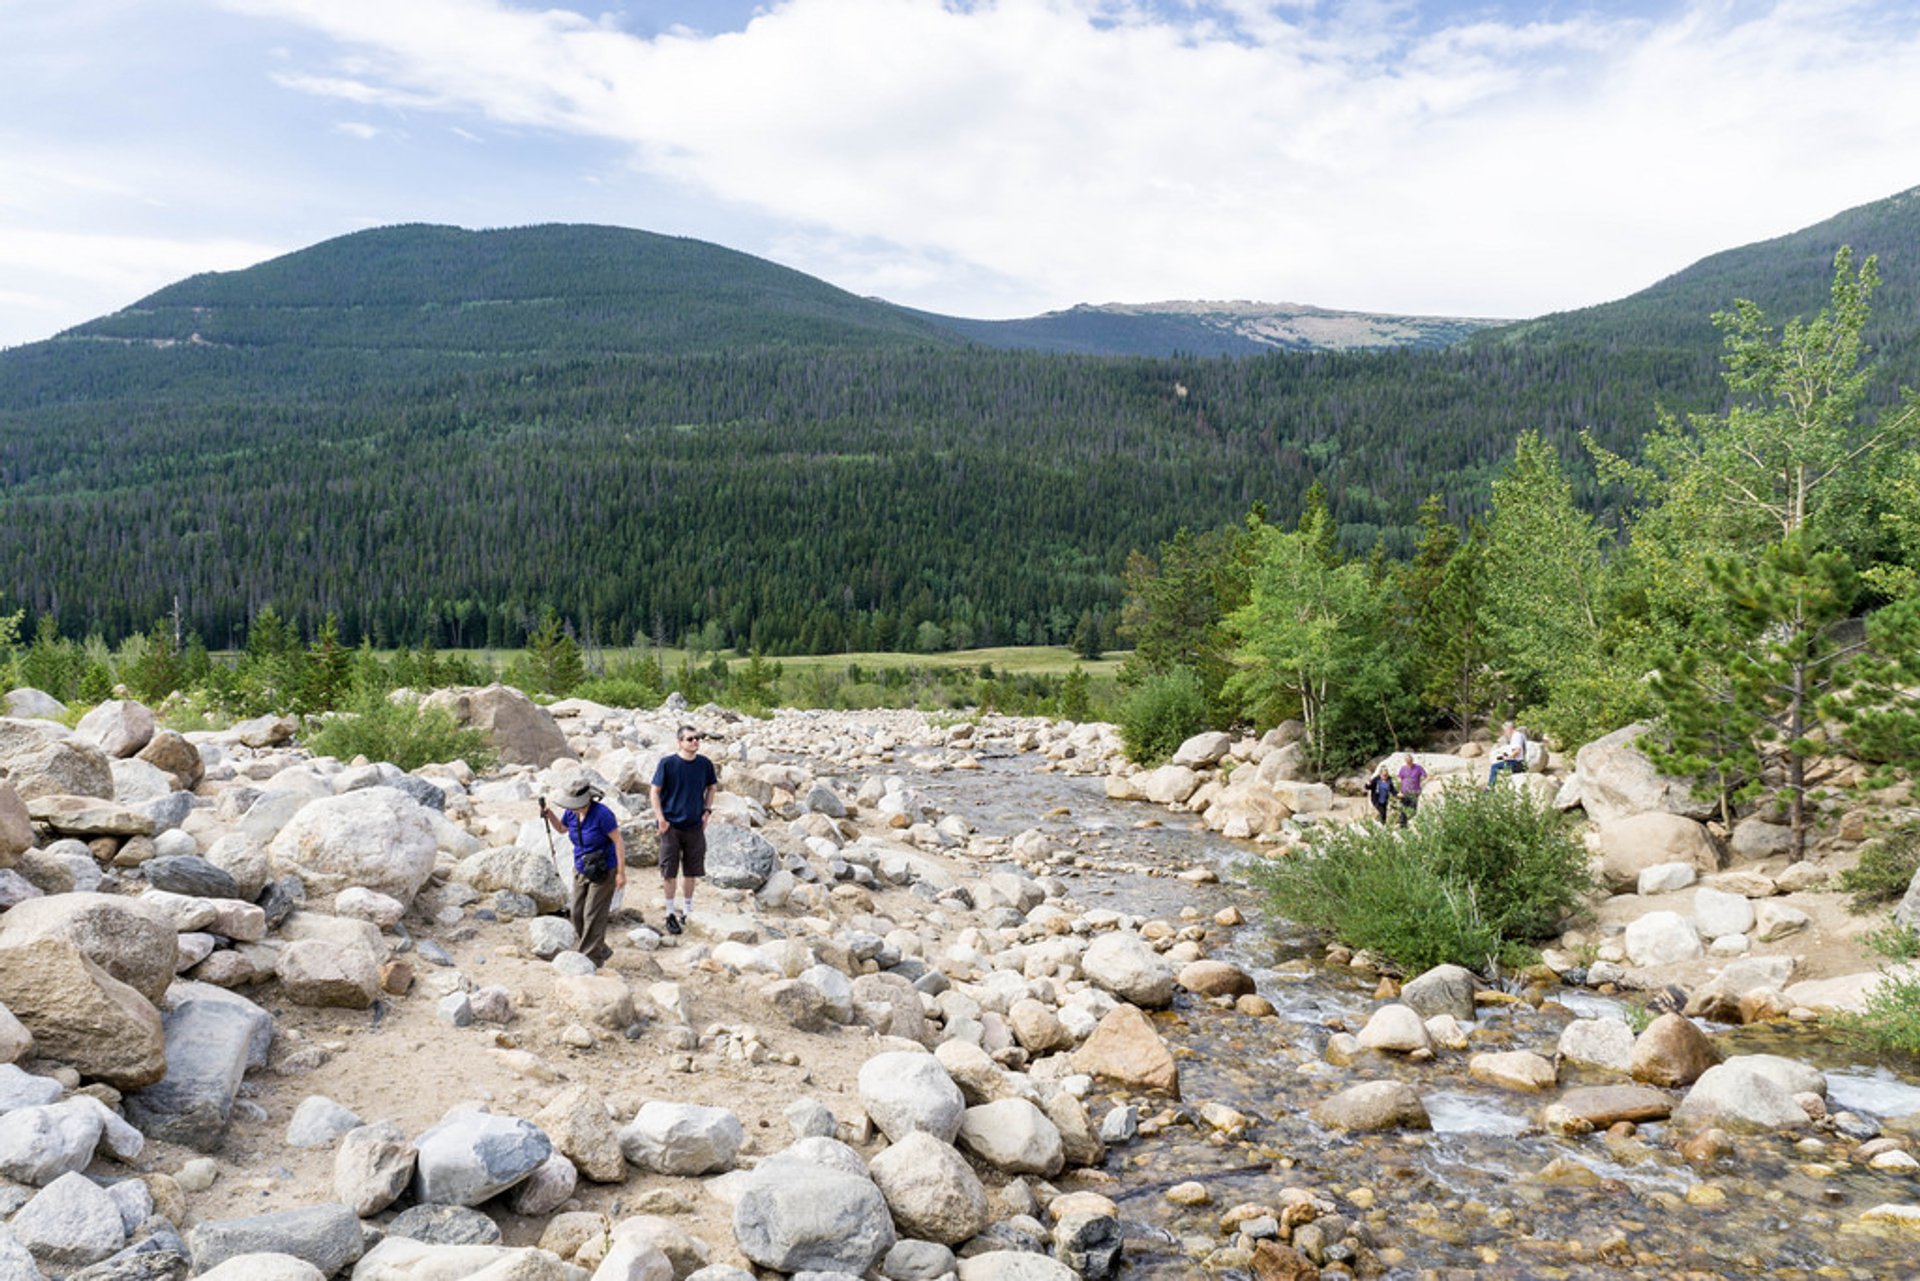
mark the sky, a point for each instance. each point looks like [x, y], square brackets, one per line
[986, 158]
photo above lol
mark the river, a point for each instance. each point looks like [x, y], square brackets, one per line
[1485, 1193]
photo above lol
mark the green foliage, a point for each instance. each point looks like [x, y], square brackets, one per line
[1161, 712]
[1890, 1019]
[401, 731]
[1885, 870]
[1176, 606]
[1075, 702]
[1471, 877]
[553, 663]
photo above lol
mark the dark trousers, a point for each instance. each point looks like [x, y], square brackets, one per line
[592, 902]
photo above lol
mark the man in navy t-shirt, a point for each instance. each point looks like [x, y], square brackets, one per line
[682, 799]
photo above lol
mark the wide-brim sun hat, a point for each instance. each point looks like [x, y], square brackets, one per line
[573, 795]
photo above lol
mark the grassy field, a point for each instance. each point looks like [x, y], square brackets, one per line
[1006, 660]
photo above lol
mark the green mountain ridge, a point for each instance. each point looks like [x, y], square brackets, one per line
[435, 434]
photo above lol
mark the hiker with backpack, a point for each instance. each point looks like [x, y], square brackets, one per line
[599, 864]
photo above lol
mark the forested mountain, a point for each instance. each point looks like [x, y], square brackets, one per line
[436, 434]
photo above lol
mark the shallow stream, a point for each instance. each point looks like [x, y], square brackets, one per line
[1485, 1193]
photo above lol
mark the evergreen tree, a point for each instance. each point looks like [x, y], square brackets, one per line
[1086, 637]
[553, 658]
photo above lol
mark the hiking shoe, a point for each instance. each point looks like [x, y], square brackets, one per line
[673, 923]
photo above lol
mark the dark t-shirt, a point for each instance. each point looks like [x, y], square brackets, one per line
[683, 785]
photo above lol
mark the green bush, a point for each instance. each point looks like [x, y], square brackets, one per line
[1890, 1020]
[614, 691]
[1162, 712]
[1885, 869]
[1473, 876]
[402, 732]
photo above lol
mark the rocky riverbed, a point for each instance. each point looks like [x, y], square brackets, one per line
[951, 1004]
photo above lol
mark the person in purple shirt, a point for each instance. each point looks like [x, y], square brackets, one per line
[599, 864]
[1413, 777]
[682, 801]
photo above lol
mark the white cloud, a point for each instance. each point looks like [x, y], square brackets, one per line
[357, 129]
[1014, 154]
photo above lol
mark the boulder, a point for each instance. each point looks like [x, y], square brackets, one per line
[1124, 1048]
[326, 1235]
[207, 1045]
[1719, 997]
[263, 1267]
[738, 858]
[472, 1156]
[1513, 1070]
[191, 875]
[16, 826]
[1444, 989]
[118, 727]
[521, 732]
[1304, 798]
[931, 1189]
[1754, 839]
[1168, 785]
[601, 1000]
[85, 817]
[27, 703]
[1215, 978]
[682, 1138]
[1606, 1043]
[79, 1014]
[1717, 913]
[1397, 1029]
[1596, 1107]
[404, 1259]
[1615, 779]
[124, 936]
[172, 754]
[516, 870]
[1122, 963]
[69, 1224]
[1661, 938]
[1665, 878]
[1739, 1095]
[904, 1091]
[60, 767]
[377, 837]
[1373, 1105]
[1671, 1052]
[794, 1216]
[583, 1131]
[372, 1166]
[319, 1122]
[1245, 809]
[1775, 921]
[1203, 749]
[1632, 844]
[44, 1139]
[1013, 1135]
[325, 973]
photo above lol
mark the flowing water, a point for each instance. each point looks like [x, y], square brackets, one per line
[1485, 1193]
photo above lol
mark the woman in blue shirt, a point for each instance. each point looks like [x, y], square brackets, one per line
[599, 864]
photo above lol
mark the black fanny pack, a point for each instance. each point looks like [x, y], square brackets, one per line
[595, 865]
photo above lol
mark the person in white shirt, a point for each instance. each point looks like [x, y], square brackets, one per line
[1510, 754]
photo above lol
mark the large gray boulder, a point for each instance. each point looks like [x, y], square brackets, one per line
[378, 837]
[372, 1166]
[59, 767]
[1613, 779]
[1373, 1105]
[1634, 843]
[795, 1216]
[1013, 1135]
[904, 1091]
[119, 727]
[208, 1045]
[326, 1235]
[1739, 1095]
[28, 703]
[1444, 989]
[521, 732]
[932, 1191]
[69, 1224]
[517, 870]
[682, 1138]
[471, 1156]
[738, 858]
[41, 1141]
[1122, 963]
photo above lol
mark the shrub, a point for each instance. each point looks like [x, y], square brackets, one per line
[1162, 712]
[1373, 890]
[402, 732]
[614, 691]
[1891, 1017]
[1471, 878]
[1885, 869]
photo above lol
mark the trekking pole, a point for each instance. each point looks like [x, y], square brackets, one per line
[553, 855]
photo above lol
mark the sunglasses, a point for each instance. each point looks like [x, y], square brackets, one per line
[691, 738]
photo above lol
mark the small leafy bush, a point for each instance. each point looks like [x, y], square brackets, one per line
[1374, 890]
[1472, 877]
[1162, 712]
[1891, 1019]
[616, 691]
[1885, 869]
[403, 732]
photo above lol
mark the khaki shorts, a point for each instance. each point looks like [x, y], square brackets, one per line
[683, 852]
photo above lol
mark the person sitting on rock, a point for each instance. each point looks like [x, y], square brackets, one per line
[1510, 754]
